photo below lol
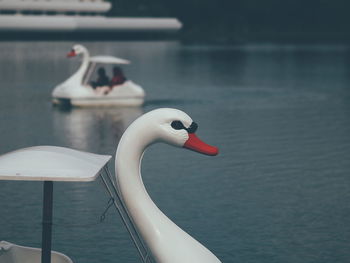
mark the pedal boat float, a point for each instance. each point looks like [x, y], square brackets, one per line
[77, 90]
[154, 235]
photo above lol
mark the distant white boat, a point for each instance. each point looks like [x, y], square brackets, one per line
[79, 91]
[74, 16]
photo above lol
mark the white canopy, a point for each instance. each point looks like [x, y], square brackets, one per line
[109, 60]
[51, 163]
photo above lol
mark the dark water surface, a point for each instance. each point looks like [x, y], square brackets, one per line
[278, 192]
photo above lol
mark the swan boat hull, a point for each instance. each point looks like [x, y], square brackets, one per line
[127, 94]
[11, 253]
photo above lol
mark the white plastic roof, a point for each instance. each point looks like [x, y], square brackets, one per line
[51, 163]
[109, 60]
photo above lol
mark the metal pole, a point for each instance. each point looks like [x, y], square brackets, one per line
[114, 187]
[123, 208]
[47, 223]
[124, 220]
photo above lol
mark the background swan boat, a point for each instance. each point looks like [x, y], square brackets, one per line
[78, 91]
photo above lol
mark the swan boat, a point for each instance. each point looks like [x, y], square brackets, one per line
[77, 90]
[153, 234]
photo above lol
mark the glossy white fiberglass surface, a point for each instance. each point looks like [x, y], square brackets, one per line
[167, 242]
[51, 163]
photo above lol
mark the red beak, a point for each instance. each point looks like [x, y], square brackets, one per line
[195, 144]
[71, 54]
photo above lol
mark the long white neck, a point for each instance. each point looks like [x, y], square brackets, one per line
[77, 77]
[167, 242]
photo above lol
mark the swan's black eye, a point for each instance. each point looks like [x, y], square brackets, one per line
[177, 125]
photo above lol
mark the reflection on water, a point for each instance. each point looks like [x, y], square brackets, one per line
[279, 191]
[83, 128]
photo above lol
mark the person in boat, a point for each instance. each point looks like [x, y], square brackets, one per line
[118, 77]
[102, 79]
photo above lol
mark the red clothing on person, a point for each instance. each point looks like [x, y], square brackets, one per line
[118, 80]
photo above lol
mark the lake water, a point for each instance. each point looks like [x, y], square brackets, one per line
[278, 192]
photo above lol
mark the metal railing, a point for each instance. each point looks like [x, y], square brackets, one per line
[118, 203]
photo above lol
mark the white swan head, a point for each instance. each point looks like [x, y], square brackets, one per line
[167, 242]
[173, 127]
[76, 50]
